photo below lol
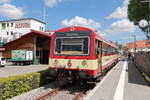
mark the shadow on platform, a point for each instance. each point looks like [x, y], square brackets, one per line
[134, 76]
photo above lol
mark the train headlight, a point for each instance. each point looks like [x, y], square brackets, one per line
[84, 63]
[72, 28]
[55, 62]
[69, 63]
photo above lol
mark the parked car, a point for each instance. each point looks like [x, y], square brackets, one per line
[2, 61]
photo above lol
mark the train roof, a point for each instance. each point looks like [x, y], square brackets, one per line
[78, 28]
[106, 41]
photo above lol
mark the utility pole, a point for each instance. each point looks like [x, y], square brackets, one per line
[134, 36]
[44, 15]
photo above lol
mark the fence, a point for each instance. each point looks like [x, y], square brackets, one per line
[142, 59]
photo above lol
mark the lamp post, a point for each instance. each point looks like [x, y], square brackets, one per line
[134, 36]
[145, 25]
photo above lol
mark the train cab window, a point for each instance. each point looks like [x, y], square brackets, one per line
[98, 47]
[72, 46]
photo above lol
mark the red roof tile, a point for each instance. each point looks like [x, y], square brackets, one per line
[139, 44]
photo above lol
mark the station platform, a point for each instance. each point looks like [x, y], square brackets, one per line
[123, 82]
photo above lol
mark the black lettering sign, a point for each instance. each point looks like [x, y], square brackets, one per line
[22, 25]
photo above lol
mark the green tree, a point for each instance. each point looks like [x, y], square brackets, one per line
[137, 11]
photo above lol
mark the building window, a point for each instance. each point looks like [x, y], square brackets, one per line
[11, 32]
[3, 25]
[7, 24]
[40, 28]
[12, 24]
[7, 33]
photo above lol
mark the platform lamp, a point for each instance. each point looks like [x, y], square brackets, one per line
[145, 26]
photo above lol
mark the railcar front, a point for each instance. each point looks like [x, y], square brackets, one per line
[72, 53]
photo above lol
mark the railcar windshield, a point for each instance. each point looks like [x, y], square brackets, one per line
[72, 46]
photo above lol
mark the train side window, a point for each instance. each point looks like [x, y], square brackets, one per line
[104, 49]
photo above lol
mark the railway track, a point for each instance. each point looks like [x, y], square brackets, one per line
[51, 93]
[86, 88]
[67, 92]
[74, 91]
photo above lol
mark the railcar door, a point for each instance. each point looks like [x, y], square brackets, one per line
[99, 55]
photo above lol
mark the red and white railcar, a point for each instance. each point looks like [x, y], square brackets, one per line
[80, 53]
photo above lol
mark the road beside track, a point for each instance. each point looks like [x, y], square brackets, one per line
[11, 70]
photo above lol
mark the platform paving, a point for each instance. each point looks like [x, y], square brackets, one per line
[135, 86]
[11, 70]
[123, 82]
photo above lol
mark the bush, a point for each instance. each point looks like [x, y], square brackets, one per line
[15, 85]
[43, 77]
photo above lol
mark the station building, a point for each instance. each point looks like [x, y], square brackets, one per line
[36, 41]
[13, 29]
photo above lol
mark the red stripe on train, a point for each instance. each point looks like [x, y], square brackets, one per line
[79, 57]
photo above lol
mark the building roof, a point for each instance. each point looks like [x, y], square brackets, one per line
[23, 19]
[30, 33]
[139, 44]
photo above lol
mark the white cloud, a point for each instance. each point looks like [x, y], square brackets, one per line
[120, 12]
[101, 33]
[123, 25]
[80, 21]
[51, 3]
[138, 37]
[11, 11]
[4, 1]
[126, 2]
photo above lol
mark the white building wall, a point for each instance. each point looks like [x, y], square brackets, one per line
[37, 26]
[15, 28]
[140, 49]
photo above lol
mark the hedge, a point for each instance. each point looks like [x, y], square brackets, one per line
[15, 85]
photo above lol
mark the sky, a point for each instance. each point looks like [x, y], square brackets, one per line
[107, 17]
